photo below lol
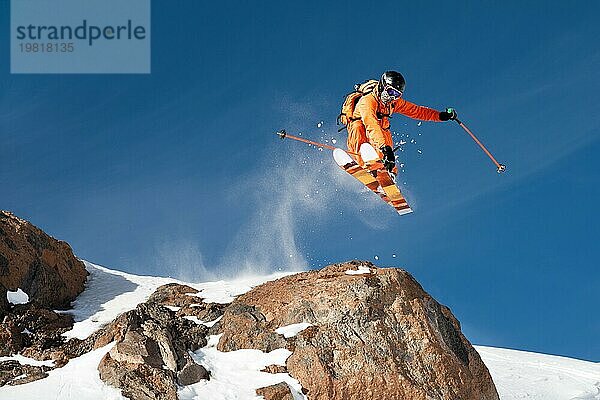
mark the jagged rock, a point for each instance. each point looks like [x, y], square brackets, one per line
[13, 373]
[52, 346]
[206, 312]
[191, 373]
[152, 343]
[375, 336]
[11, 338]
[71, 349]
[32, 373]
[4, 304]
[280, 391]
[116, 330]
[43, 337]
[175, 295]
[9, 370]
[256, 332]
[136, 348]
[187, 336]
[43, 267]
[35, 318]
[9, 365]
[151, 352]
[138, 381]
[49, 273]
[34, 332]
[275, 369]
[164, 342]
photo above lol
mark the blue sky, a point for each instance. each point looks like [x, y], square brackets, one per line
[179, 173]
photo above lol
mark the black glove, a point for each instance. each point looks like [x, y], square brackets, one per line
[389, 158]
[449, 114]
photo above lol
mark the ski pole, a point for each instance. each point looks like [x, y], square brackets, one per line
[501, 167]
[283, 134]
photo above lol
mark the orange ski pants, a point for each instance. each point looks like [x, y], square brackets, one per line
[357, 135]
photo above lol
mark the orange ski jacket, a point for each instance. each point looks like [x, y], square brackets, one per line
[374, 116]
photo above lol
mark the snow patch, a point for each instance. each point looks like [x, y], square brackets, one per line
[17, 297]
[194, 319]
[237, 374]
[107, 294]
[361, 270]
[212, 323]
[292, 330]
[28, 361]
[199, 322]
[224, 292]
[78, 380]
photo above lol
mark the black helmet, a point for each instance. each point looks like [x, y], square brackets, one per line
[391, 86]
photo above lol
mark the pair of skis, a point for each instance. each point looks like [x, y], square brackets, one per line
[374, 176]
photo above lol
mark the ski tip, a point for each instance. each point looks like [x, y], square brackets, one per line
[341, 157]
[368, 152]
[405, 211]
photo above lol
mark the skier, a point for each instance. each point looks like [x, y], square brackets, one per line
[366, 113]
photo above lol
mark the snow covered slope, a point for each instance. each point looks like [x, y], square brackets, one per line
[517, 374]
[109, 293]
[525, 375]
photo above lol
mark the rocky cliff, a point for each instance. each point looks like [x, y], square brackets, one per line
[348, 331]
[41, 266]
[374, 334]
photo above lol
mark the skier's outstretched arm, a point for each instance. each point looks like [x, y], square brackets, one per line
[414, 111]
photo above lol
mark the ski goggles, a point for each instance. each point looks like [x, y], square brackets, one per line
[393, 92]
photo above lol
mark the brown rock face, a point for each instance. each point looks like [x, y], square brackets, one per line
[149, 359]
[13, 373]
[280, 391]
[192, 373]
[4, 306]
[151, 352]
[44, 328]
[138, 381]
[176, 295]
[49, 273]
[374, 336]
[11, 338]
[275, 369]
[43, 267]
